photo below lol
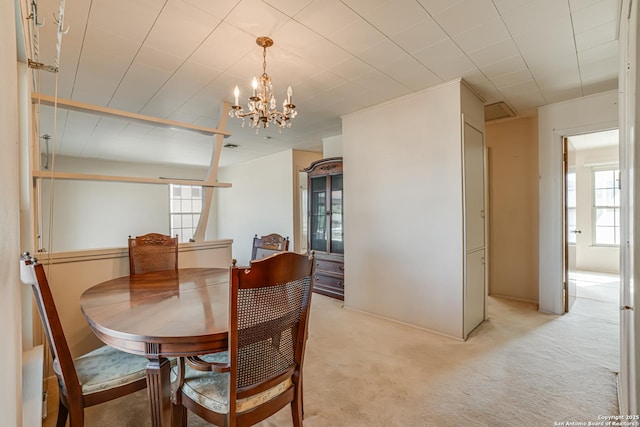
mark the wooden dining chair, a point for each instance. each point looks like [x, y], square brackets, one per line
[268, 245]
[262, 370]
[152, 252]
[99, 376]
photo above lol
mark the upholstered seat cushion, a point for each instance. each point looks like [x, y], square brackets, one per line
[106, 368]
[209, 389]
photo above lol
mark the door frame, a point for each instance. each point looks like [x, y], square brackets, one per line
[567, 265]
[563, 135]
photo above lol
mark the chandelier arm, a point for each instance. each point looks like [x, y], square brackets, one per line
[243, 115]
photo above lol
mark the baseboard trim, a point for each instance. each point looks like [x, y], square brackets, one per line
[530, 301]
[32, 386]
[368, 313]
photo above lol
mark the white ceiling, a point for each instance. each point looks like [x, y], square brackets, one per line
[179, 59]
[589, 141]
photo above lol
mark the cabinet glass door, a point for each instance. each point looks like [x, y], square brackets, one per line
[318, 206]
[337, 239]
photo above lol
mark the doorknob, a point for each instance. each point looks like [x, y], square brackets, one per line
[577, 231]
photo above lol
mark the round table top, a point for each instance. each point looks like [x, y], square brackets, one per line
[167, 313]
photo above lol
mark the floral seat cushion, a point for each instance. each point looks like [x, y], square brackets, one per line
[106, 368]
[209, 389]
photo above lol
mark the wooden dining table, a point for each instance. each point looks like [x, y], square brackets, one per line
[159, 315]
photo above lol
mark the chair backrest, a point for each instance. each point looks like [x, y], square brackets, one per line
[32, 273]
[152, 252]
[268, 245]
[269, 312]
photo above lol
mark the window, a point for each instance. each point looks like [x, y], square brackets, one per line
[185, 206]
[572, 224]
[606, 207]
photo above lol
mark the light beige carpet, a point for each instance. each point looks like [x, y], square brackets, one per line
[520, 368]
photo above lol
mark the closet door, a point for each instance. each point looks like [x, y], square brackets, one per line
[474, 188]
[474, 200]
[474, 291]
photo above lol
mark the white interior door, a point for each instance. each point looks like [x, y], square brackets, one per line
[629, 108]
[474, 188]
[475, 290]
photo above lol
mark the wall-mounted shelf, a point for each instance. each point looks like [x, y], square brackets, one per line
[130, 179]
[68, 104]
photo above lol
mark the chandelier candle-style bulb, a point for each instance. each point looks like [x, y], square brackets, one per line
[262, 106]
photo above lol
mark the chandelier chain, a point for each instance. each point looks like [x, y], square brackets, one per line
[264, 61]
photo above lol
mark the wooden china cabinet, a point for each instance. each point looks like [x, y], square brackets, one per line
[325, 222]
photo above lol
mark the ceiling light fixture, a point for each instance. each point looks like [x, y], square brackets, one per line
[262, 104]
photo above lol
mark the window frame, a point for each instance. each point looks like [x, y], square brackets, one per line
[572, 237]
[616, 208]
[193, 214]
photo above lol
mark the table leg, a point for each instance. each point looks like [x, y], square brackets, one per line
[179, 416]
[159, 391]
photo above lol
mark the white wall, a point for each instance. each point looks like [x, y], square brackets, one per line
[92, 215]
[332, 146]
[589, 257]
[403, 210]
[114, 168]
[10, 287]
[98, 214]
[260, 201]
[587, 114]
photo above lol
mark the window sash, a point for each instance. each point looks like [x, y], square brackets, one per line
[571, 195]
[605, 207]
[185, 208]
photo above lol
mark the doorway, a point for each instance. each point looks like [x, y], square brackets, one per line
[592, 219]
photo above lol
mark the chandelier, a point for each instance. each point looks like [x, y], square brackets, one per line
[262, 108]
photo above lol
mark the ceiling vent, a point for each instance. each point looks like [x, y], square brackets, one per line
[497, 111]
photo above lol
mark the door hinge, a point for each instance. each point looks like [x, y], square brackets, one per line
[41, 66]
